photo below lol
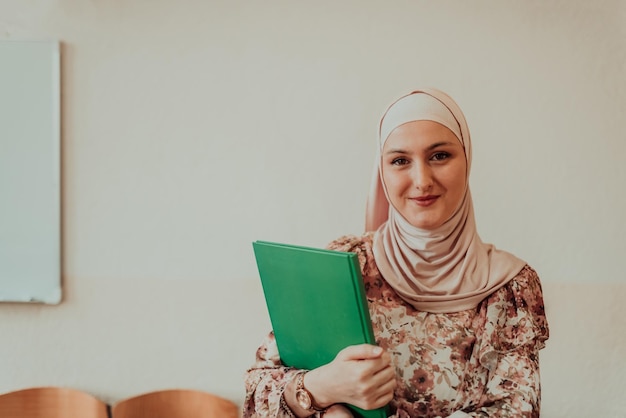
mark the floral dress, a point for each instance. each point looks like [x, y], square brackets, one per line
[481, 362]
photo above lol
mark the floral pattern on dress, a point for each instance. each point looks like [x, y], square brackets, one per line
[482, 361]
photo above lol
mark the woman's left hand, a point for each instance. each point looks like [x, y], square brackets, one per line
[337, 411]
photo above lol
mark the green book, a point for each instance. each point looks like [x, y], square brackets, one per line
[316, 303]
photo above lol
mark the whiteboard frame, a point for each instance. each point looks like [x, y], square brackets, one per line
[30, 172]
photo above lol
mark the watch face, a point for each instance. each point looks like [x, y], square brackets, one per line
[303, 398]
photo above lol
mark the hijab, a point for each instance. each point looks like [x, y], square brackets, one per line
[448, 268]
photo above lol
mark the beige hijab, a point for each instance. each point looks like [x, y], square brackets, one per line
[448, 269]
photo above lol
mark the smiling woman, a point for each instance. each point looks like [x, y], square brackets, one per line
[424, 172]
[460, 323]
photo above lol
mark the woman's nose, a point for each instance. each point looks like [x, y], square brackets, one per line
[422, 177]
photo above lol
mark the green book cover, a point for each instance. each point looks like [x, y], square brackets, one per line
[316, 303]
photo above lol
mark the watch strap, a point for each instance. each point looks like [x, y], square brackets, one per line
[300, 386]
[285, 407]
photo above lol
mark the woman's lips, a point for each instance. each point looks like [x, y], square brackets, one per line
[424, 200]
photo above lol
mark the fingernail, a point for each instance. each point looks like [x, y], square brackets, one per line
[378, 350]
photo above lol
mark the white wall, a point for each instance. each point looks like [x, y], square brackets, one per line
[192, 128]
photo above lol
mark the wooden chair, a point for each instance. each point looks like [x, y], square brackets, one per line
[175, 403]
[51, 402]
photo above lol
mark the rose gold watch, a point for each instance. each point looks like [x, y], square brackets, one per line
[303, 397]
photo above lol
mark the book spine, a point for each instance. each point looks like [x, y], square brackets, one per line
[359, 290]
[367, 328]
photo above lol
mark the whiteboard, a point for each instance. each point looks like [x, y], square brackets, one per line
[30, 161]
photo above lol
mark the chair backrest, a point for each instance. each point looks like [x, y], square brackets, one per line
[51, 402]
[175, 403]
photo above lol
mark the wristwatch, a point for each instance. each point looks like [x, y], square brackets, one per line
[303, 397]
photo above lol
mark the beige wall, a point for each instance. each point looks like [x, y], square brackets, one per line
[192, 128]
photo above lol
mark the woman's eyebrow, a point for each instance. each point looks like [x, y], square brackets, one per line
[439, 144]
[428, 148]
[396, 151]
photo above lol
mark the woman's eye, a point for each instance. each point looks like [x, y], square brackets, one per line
[399, 161]
[440, 156]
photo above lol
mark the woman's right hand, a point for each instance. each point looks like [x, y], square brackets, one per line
[360, 375]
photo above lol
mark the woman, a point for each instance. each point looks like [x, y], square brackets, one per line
[458, 323]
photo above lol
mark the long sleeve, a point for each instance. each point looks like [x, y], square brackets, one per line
[513, 389]
[265, 382]
[515, 330]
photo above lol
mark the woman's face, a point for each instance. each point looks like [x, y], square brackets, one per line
[424, 172]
